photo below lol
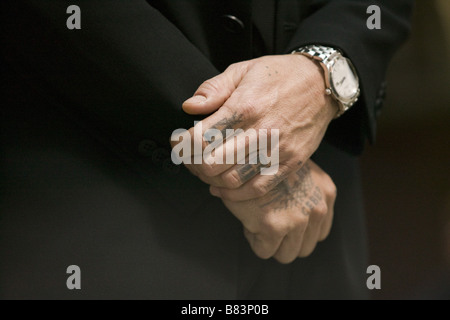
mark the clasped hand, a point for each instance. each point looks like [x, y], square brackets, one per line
[284, 214]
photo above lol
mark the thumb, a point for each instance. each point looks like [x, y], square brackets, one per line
[213, 93]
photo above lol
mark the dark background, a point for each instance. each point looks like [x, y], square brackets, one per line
[406, 173]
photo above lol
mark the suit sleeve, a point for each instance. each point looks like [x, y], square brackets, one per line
[122, 78]
[343, 24]
[127, 67]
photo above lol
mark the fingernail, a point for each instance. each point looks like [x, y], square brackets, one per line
[196, 100]
[214, 191]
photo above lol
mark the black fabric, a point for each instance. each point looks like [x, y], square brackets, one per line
[86, 118]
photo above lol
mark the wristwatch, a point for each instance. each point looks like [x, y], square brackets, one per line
[341, 79]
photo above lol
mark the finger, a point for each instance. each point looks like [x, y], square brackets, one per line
[214, 155]
[238, 174]
[328, 193]
[213, 93]
[312, 233]
[328, 221]
[239, 146]
[255, 187]
[263, 247]
[245, 147]
[291, 245]
[235, 178]
[189, 148]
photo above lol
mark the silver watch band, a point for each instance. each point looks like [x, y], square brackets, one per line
[321, 52]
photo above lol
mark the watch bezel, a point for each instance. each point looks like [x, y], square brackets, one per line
[347, 102]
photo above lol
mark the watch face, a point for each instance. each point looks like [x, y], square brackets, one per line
[344, 79]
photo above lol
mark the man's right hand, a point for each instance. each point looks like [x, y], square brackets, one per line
[290, 220]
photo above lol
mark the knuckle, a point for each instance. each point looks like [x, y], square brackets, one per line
[274, 226]
[232, 67]
[330, 188]
[322, 209]
[300, 221]
[237, 66]
[249, 110]
[209, 85]
[333, 190]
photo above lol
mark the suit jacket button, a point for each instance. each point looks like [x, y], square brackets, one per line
[232, 24]
[146, 148]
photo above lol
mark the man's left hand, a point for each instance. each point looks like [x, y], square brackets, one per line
[284, 92]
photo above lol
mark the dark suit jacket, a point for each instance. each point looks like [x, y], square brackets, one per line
[85, 122]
